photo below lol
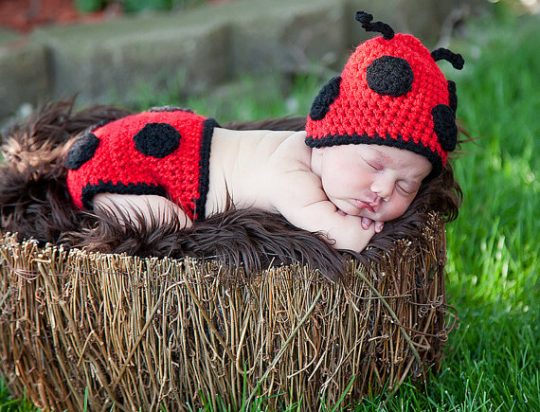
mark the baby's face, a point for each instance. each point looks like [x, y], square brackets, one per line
[377, 182]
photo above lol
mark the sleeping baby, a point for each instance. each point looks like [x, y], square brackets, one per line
[373, 135]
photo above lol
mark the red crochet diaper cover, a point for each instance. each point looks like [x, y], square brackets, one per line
[163, 151]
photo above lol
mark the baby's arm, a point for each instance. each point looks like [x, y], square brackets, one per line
[346, 231]
[308, 208]
[131, 209]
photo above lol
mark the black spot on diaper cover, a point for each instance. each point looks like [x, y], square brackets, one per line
[445, 126]
[327, 95]
[157, 140]
[82, 151]
[390, 76]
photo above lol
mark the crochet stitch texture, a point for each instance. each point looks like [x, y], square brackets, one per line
[390, 92]
[163, 151]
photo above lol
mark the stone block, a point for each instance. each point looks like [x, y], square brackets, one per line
[23, 73]
[7, 35]
[107, 61]
[287, 36]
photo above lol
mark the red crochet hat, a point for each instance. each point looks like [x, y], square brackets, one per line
[391, 92]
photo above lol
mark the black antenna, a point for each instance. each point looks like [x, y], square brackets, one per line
[444, 54]
[383, 28]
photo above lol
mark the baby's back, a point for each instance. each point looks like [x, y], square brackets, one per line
[251, 167]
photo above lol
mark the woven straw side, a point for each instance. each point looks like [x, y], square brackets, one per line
[150, 333]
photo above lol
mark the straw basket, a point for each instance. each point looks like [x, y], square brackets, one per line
[143, 334]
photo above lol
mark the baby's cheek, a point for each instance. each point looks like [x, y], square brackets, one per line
[396, 208]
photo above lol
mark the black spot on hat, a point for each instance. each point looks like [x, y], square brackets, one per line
[452, 95]
[327, 95]
[82, 151]
[157, 140]
[390, 76]
[445, 126]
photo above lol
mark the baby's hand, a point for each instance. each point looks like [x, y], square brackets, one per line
[367, 222]
[348, 232]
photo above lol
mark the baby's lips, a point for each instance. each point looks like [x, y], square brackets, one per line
[364, 205]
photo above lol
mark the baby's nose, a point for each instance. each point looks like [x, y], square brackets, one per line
[383, 188]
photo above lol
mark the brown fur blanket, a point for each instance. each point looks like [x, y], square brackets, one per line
[34, 203]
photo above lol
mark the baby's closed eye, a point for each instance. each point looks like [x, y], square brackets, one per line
[406, 189]
[373, 163]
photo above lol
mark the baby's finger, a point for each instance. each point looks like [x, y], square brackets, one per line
[379, 227]
[366, 222]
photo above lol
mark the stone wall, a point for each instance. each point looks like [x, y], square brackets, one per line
[197, 49]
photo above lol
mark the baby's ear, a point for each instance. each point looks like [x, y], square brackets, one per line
[327, 95]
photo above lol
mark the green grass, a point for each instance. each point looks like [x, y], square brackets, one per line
[492, 361]
[8, 404]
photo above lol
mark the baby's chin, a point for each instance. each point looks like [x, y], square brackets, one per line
[377, 216]
[346, 207]
[386, 217]
[381, 215]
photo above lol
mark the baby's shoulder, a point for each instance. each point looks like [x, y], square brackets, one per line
[290, 167]
[292, 154]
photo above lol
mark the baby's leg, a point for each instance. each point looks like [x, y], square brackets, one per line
[141, 210]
